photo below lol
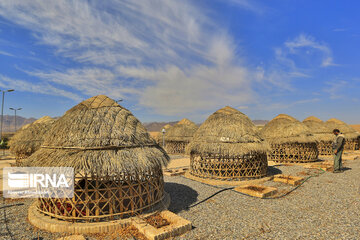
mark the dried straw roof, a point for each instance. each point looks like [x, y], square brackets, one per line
[286, 129]
[24, 127]
[29, 138]
[349, 132]
[99, 135]
[321, 131]
[227, 131]
[166, 127]
[182, 131]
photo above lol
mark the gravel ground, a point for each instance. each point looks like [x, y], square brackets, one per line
[325, 207]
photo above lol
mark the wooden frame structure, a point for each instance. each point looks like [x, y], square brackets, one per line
[325, 148]
[294, 152]
[352, 144]
[175, 147]
[105, 198]
[229, 167]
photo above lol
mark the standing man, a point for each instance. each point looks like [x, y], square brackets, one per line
[338, 148]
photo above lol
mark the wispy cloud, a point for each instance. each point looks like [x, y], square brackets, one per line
[6, 54]
[340, 29]
[307, 41]
[248, 5]
[167, 54]
[277, 106]
[89, 81]
[335, 89]
[42, 88]
[173, 91]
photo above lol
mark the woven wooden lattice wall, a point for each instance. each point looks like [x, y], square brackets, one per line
[293, 152]
[225, 167]
[175, 147]
[107, 198]
[352, 144]
[325, 148]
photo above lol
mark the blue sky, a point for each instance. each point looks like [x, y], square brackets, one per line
[174, 59]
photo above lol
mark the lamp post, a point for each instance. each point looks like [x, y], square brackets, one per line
[2, 110]
[15, 109]
[163, 137]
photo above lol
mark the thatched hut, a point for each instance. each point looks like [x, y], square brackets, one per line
[159, 135]
[290, 140]
[352, 137]
[166, 127]
[227, 146]
[322, 133]
[178, 136]
[117, 165]
[29, 138]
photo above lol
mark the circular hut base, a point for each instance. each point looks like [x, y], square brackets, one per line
[293, 152]
[217, 182]
[50, 224]
[229, 168]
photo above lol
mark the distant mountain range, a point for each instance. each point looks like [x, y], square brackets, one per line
[9, 122]
[157, 126]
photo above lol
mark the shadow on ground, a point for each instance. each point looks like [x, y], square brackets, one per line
[182, 196]
[271, 171]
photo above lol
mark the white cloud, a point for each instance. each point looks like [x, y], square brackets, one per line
[247, 4]
[167, 54]
[335, 89]
[89, 81]
[42, 88]
[306, 41]
[174, 91]
[170, 56]
[123, 31]
[6, 54]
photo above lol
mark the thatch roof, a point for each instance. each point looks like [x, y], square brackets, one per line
[166, 127]
[182, 131]
[286, 129]
[29, 138]
[25, 126]
[347, 130]
[227, 131]
[321, 131]
[101, 136]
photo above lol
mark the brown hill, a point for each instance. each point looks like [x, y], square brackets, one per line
[156, 126]
[9, 122]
